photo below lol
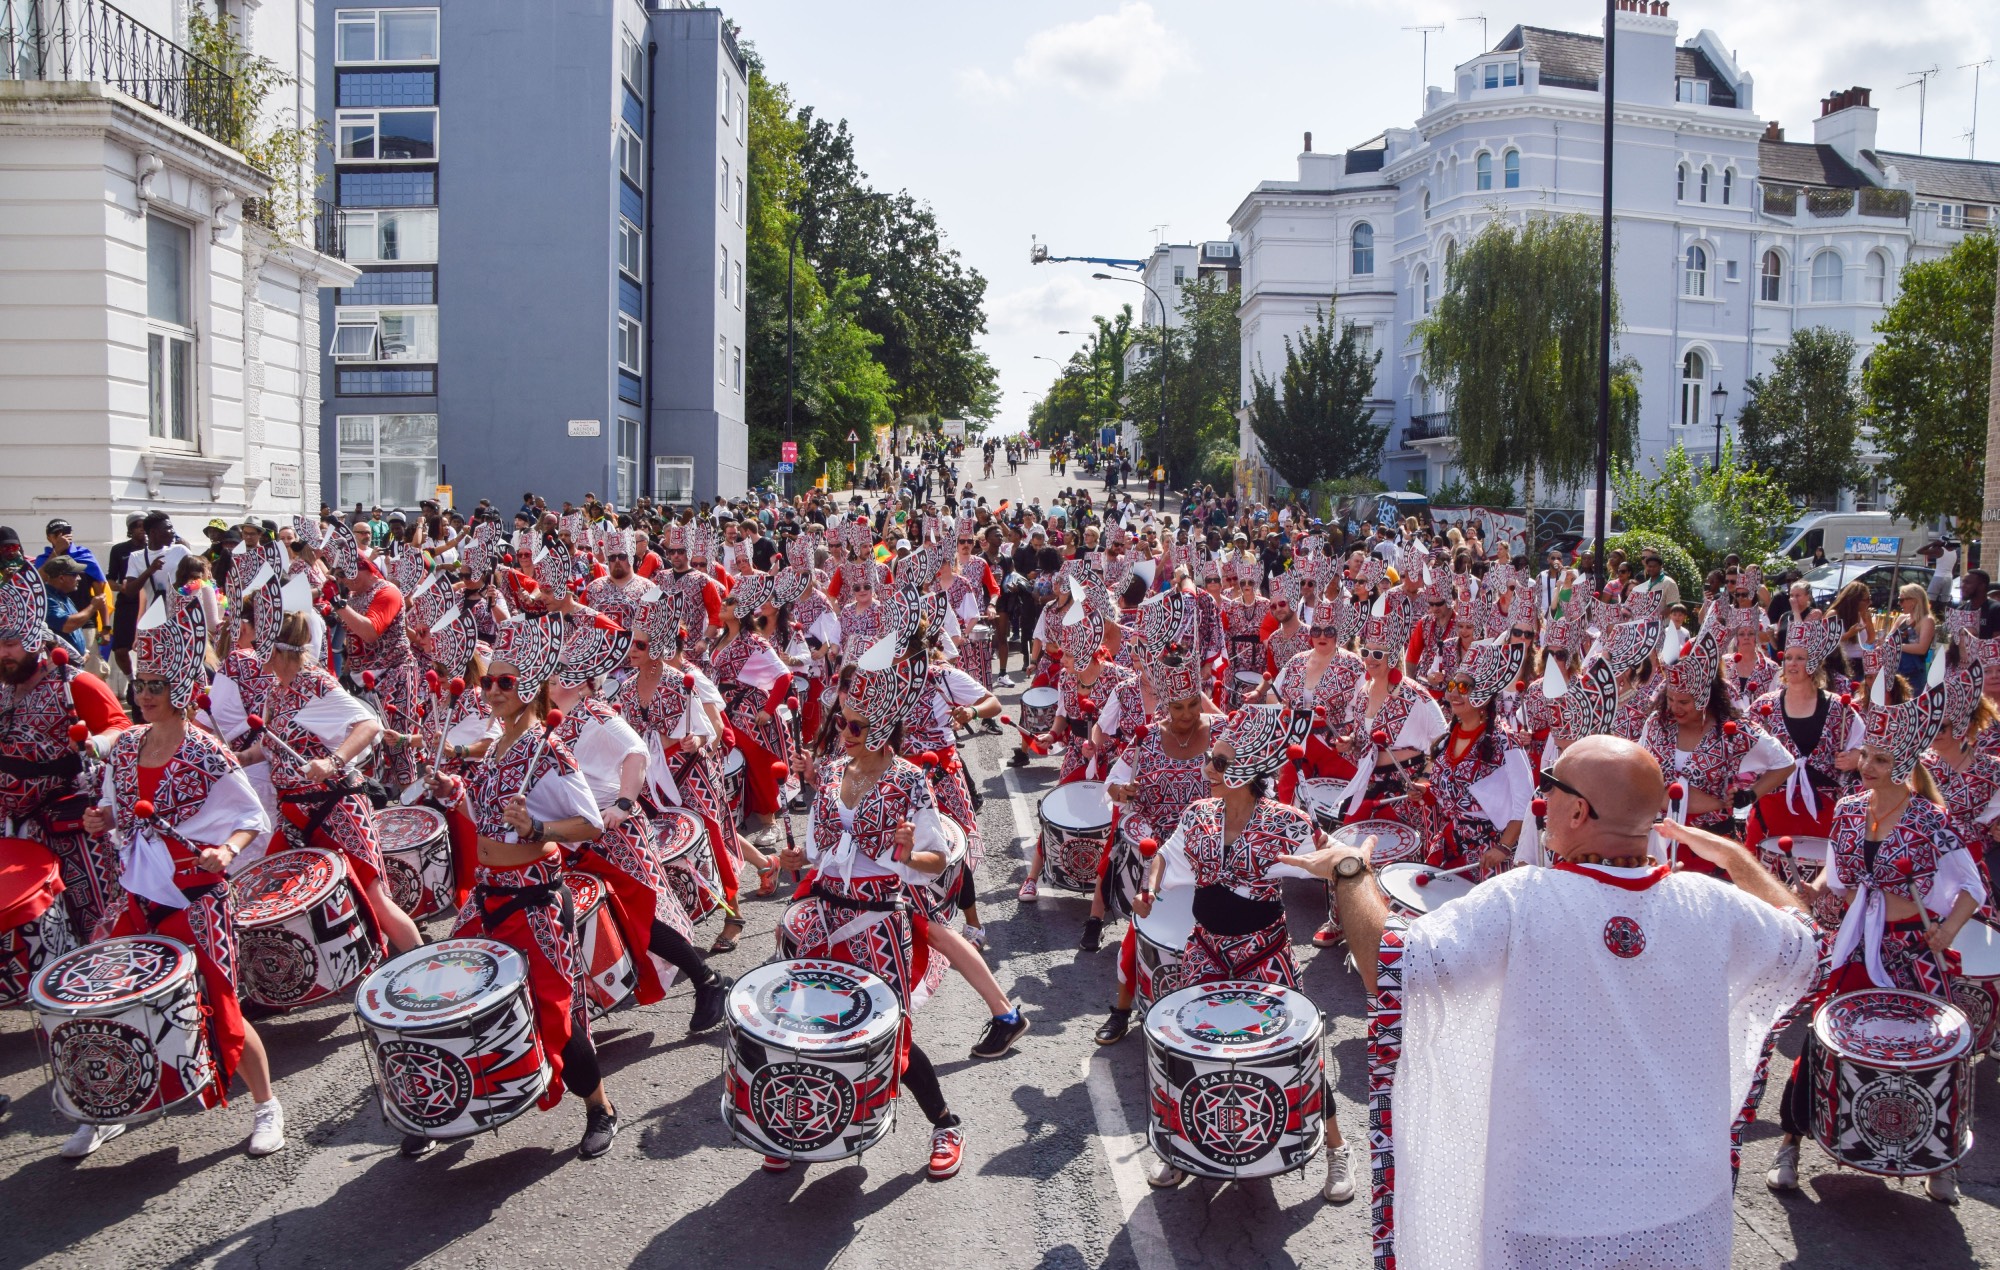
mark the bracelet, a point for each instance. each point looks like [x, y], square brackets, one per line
[537, 831]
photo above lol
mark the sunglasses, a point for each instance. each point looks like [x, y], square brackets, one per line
[505, 683]
[151, 686]
[1218, 761]
[853, 727]
[1376, 654]
[1549, 780]
[1323, 632]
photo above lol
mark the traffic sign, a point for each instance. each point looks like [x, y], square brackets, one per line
[852, 436]
[789, 451]
[784, 468]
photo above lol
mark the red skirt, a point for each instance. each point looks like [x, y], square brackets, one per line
[537, 925]
[208, 926]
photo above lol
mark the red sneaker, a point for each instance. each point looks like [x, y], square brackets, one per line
[777, 1164]
[1326, 937]
[947, 1152]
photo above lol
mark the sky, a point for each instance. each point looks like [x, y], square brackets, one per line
[1102, 127]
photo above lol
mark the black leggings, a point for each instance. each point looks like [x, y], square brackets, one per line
[672, 947]
[581, 1074]
[1795, 1110]
[921, 1079]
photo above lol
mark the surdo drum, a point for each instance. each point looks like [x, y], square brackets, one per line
[937, 892]
[976, 654]
[1162, 937]
[1395, 842]
[609, 977]
[686, 858]
[1976, 990]
[732, 782]
[1241, 684]
[34, 923]
[1414, 889]
[1893, 1085]
[416, 855]
[299, 931]
[1237, 1079]
[451, 1038]
[1076, 823]
[123, 1018]
[1038, 710]
[809, 1063]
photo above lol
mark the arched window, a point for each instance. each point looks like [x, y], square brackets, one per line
[1422, 289]
[1362, 261]
[1483, 170]
[1451, 176]
[1694, 279]
[1420, 396]
[1694, 388]
[1427, 204]
[1826, 270]
[1681, 182]
[1875, 278]
[1771, 278]
[1706, 171]
[1450, 259]
[1728, 184]
[1511, 166]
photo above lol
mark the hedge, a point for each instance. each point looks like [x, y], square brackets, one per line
[1674, 559]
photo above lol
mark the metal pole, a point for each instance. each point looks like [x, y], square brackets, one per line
[1717, 465]
[791, 368]
[1604, 298]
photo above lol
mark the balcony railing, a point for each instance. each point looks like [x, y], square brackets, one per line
[324, 232]
[1430, 427]
[94, 42]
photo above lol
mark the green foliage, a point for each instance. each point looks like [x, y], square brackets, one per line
[287, 155]
[1926, 385]
[1459, 492]
[1710, 513]
[1204, 357]
[1513, 343]
[1675, 562]
[1314, 422]
[1802, 422]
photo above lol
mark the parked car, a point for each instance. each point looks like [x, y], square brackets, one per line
[1880, 578]
[1831, 530]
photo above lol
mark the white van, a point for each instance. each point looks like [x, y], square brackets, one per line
[1886, 536]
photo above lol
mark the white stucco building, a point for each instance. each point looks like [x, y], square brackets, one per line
[1729, 238]
[158, 347]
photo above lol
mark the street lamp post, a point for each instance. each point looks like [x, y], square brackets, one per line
[1718, 400]
[1108, 277]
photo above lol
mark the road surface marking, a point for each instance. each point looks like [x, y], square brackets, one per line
[1027, 819]
[1127, 1154]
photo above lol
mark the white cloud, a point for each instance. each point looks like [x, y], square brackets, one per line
[1057, 303]
[1119, 56]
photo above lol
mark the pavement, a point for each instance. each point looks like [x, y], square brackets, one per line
[1053, 1174]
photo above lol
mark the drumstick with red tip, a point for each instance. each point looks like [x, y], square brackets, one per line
[550, 722]
[1033, 741]
[1425, 879]
[454, 690]
[257, 729]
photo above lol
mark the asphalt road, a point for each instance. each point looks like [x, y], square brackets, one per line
[1053, 1174]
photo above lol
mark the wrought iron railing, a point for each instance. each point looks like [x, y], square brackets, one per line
[96, 42]
[1430, 427]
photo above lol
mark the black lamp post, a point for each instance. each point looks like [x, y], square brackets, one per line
[1164, 345]
[1718, 401]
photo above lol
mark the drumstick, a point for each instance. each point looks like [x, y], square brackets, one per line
[550, 723]
[1924, 913]
[1425, 879]
[453, 690]
[258, 729]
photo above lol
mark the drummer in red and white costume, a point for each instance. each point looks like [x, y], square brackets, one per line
[378, 644]
[1323, 679]
[1892, 847]
[239, 685]
[1285, 632]
[700, 593]
[875, 834]
[524, 800]
[1631, 648]
[1819, 730]
[1746, 672]
[1481, 783]
[620, 591]
[817, 622]
[613, 760]
[1227, 847]
[202, 812]
[1967, 776]
[755, 683]
[39, 764]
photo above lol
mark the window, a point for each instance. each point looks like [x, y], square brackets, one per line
[1694, 278]
[673, 478]
[736, 368]
[1492, 75]
[1694, 389]
[1364, 337]
[1681, 182]
[170, 364]
[386, 35]
[631, 156]
[630, 344]
[1728, 185]
[387, 459]
[725, 185]
[628, 461]
[742, 118]
[1875, 278]
[388, 136]
[721, 359]
[1706, 172]
[1423, 289]
[1362, 262]
[384, 335]
[1511, 168]
[1510, 75]
[727, 96]
[1427, 204]
[393, 235]
[632, 63]
[739, 200]
[630, 243]
[738, 266]
[1482, 171]
[1826, 271]
[722, 270]
[1180, 274]
[1692, 91]
[1771, 278]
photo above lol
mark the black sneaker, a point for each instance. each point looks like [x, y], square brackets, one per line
[803, 803]
[599, 1127]
[1093, 935]
[416, 1146]
[1000, 1037]
[710, 1000]
[1114, 1027]
[992, 726]
[1021, 759]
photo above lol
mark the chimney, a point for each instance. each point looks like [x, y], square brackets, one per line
[1772, 132]
[1309, 143]
[1846, 122]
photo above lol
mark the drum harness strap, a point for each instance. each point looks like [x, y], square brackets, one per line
[519, 899]
[321, 801]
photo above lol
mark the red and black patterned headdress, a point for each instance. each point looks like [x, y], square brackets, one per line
[1260, 740]
[593, 645]
[1176, 676]
[171, 643]
[1588, 704]
[1632, 643]
[24, 609]
[407, 569]
[661, 623]
[343, 553]
[753, 591]
[1906, 730]
[454, 638]
[533, 647]
[1692, 666]
[885, 688]
[555, 568]
[1081, 631]
[1166, 621]
[1819, 636]
[1489, 666]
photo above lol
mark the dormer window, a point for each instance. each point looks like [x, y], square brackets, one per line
[1693, 91]
[1501, 75]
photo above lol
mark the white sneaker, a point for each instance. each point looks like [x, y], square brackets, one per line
[87, 1138]
[1164, 1175]
[1339, 1186]
[1943, 1187]
[1004, 681]
[1784, 1174]
[976, 936]
[267, 1130]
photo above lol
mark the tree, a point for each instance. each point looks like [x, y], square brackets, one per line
[1314, 422]
[1927, 383]
[1802, 422]
[1513, 344]
[1709, 512]
[1459, 492]
[1204, 357]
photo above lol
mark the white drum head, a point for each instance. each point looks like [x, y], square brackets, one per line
[1041, 698]
[1171, 921]
[678, 831]
[1399, 882]
[954, 842]
[1978, 949]
[1894, 1028]
[1395, 841]
[1078, 805]
[1233, 1020]
[813, 1006]
[733, 764]
[438, 983]
[286, 883]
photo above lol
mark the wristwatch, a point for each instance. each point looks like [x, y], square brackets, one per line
[1350, 866]
[623, 804]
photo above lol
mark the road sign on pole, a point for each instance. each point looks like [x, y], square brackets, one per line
[852, 436]
[784, 468]
[789, 451]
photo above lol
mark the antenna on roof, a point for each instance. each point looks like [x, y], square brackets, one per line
[1922, 83]
[1423, 88]
[1480, 18]
[1972, 133]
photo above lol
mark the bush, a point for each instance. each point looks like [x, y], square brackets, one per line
[1674, 559]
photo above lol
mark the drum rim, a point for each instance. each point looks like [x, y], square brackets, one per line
[440, 826]
[239, 906]
[883, 1025]
[1313, 1019]
[1946, 1059]
[1053, 697]
[1139, 923]
[1411, 866]
[1991, 930]
[954, 833]
[185, 969]
[1062, 792]
[601, 896]
[511, 976]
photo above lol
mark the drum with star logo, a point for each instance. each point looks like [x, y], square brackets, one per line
[1237, 1077]
[809, 1063]
[123, 1021]
[299, 929]
[451, 1038]
[1894, 1082]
